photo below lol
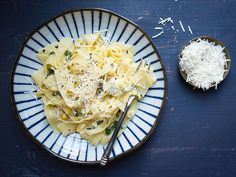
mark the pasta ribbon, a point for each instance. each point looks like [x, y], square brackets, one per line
[85, 85]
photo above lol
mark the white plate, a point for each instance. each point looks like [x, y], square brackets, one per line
[75, 23]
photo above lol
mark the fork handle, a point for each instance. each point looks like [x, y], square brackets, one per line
[109, 147]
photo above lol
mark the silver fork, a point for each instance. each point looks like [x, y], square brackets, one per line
[107, 152]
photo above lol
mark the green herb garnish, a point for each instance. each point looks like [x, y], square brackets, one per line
[56, 93]
[50, 71]
[77, 114]
[68, 55]
[100, 88]
[108, 131]
[112, 65]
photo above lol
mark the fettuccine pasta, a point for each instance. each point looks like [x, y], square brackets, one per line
[85, 85]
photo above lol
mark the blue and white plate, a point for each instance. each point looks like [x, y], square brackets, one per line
[30, 111]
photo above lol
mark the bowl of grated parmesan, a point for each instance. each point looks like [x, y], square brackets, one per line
[204, 62]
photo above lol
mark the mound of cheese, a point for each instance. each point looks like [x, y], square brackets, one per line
[204, 63]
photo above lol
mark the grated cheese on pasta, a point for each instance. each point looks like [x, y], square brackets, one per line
[85, 85]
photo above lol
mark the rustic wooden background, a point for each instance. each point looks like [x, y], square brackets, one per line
[197, 133]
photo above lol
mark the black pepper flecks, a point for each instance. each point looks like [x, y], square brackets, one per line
[51, 53]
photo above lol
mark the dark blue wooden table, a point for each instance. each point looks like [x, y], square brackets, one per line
[197, 133]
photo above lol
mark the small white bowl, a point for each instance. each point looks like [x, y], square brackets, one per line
[209, 39]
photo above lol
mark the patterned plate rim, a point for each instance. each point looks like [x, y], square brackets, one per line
[134, 148]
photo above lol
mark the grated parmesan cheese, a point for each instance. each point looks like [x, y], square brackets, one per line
[29, 80]
[190, 30]
[139, 18]
[203, 62]
[181, 25]
[158, 34]
[169, 20]
[32, 92]
[173, 27]
[164, 21]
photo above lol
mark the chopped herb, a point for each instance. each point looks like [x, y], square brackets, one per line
[43, 50]
[118, 113]
[50, 71]
[51, 53]
[112, 65]
[56, 93]
[115, 124]
[100, 88]
[90, 128]
[108, 131]
[56, 46]
[68, 55]
[77, 114]
[67, 52]
[99, 122]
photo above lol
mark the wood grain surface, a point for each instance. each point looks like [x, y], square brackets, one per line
[197, 133]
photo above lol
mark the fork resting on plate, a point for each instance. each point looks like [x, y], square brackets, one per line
[107, 152]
